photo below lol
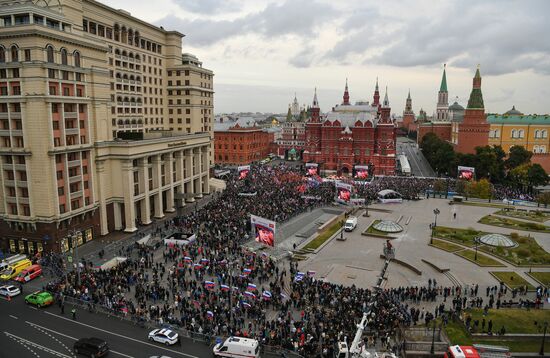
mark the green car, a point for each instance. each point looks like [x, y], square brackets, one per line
[40, 299]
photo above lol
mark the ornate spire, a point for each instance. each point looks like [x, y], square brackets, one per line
[476, 97]
[315, 102]
[346, 94]
[408, 104]
[409, 96]
[376, 87]
[376, 97]
[386, 102]
[443, 87]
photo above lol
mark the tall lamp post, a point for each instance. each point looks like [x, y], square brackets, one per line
[541, 352]
[476, 241]
[436, 212]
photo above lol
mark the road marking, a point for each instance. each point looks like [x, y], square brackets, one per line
[36, 345]
[73, 338]
[13, 317]
[122, 336]
[39, 328]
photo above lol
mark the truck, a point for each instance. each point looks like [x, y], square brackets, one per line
[11, 260]
[477, 351]
[350, 224]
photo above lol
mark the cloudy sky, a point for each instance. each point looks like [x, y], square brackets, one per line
[262, 52]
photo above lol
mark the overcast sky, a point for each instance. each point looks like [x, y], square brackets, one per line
[262, 52]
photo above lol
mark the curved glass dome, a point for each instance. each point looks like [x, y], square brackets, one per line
[388, 226]
[497, 240]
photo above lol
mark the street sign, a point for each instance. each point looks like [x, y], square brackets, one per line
[70, 259]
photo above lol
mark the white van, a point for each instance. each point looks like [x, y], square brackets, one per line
[11, 260]
[350, 224]
[237, 347]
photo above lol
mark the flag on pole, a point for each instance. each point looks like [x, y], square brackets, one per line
[210, 314]
[224, 288]
[246, 304]
[266, 295]
[187, 259]
[249, 294]
[197, 266]
[209, 284]
[247, 271]
[251, 287]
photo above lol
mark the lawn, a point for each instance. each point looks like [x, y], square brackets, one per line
[482, 260]
[445, 245]
[513, 224]
[514, 320]
[527, 253]
[512, 279]
[324, 236]
[542, 277]
[371, 230]
[460, 236]
[533, 215]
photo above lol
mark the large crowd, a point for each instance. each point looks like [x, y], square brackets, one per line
[216, 287]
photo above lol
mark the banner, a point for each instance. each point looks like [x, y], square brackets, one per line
[361, 172]
[466, 173]
[264, 230]
[248, 194]
[343, 192]
[243, 171]
[312, 169]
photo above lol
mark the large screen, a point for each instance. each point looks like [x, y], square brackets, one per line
[343, 192]
[244, 170]
[312, 169]
[466, 173]
[361, 172]
[264, 230]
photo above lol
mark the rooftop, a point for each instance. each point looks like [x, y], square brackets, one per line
[519, 119]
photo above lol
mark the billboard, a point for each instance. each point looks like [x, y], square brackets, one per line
[343, 192]
[312, 169]
[361, 172]
[466, 173]
[264, 230]
[243, 171]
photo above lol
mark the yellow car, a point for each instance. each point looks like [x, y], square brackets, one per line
[14, 269]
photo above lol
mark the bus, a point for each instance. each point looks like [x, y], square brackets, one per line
[404, 165]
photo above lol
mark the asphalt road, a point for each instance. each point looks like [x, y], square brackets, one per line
[419, 165]
[26, 331]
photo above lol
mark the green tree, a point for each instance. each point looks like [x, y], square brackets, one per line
[519, 175]
[536, 175]
[544, 198]
[479, 189]
[518, 156]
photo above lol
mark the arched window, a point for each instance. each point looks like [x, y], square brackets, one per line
[497, 133]
[64, 60]
[2, 54]
[136, 39]
[521, 132]
[491, 133]
[513, 133]
[535, 149]
[49, 54]
[544, 133]
[14, 54]
[76, 57]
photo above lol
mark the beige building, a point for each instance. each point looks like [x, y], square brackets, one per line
[104, 123]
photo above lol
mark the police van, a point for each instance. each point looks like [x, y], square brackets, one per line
[237, 347]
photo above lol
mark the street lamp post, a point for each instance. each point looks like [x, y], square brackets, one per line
[436, 212]
[476, 241]
[541, 352]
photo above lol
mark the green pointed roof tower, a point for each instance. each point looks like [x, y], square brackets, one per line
[476, 97]
[443, 87]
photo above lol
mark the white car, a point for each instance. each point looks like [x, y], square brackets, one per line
[9, 291]
[164, 336]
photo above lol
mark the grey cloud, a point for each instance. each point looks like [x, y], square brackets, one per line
[303, 58]
[273, 21]
[208, 6]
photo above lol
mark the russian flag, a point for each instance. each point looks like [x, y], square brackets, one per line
[209, 284]
[224, 288]
[251, 287]
[311, 273]
[205, 261]
[187, 259]
[249, 294]
[210, 314]
[246, 304]
[197, 266]
[247, 271]
[266, 295]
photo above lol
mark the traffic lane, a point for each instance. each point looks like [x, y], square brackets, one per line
[123, 337]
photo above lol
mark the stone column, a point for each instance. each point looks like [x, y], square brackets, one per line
[157, 183]
[128, 187]
[206, 173]
[190, 185]
[180, 176]
[169, 175]
[144, 181]
[101, 182]
[197, 182]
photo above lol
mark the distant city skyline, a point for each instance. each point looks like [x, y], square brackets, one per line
[262, 52]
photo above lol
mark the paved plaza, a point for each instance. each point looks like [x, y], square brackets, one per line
[357, 260]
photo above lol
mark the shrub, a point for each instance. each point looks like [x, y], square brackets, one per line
[514, 235]
[522, 252]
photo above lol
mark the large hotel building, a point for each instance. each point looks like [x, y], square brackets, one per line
[104, 123]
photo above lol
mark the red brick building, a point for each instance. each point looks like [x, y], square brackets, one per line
[473, 131]
[408, 115]
[360, 134]
[440, 129]
[240, 142]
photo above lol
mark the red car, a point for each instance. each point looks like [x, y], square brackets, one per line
[28, 274]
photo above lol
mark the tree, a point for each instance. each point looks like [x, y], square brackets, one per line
[536, 175]
[518, 156]
[519, 175]
[479, 189]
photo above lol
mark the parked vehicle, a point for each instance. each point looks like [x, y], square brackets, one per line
[164, 336]
[91, 347]
[237, 347]
[28, 274]
[11, 260]
[9, 291]
[13, 270]
[351, 223]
